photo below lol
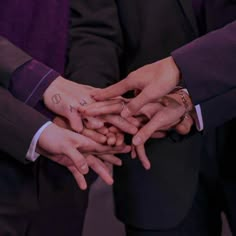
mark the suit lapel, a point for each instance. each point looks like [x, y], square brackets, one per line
[188, 10]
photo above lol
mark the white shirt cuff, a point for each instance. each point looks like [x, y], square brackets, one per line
[198, 119]
[32, 155]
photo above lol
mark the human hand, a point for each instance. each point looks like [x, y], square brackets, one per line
[104, 109]
[64, 98]
[69, 149]
[172, 112]
[154, 81]
[109, 111]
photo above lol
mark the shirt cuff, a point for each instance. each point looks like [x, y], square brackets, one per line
[32, 155]
[198, 117]
[30, 81]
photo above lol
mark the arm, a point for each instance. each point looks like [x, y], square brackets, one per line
[208, 69]
[95, 43]
[18, 124]
[11, 59]
[207, 66]
[25, 78]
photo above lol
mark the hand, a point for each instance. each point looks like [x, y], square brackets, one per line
[64, 98]
[109, 112]
[92, 134]
[66, 147]
[164, 117]
[154, 81]
[115, 106]
[99, 163]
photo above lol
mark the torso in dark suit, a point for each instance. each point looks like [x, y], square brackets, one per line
[159, 198]
[40, 198]
[151, 30]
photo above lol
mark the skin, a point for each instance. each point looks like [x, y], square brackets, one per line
[78, 153]
[161, 78]
[154, 119]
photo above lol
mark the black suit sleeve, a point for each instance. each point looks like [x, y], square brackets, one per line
[209, 71]
[11, 58]
[18, 124]
[95, 43]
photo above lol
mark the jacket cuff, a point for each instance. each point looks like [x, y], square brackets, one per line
[30, 81]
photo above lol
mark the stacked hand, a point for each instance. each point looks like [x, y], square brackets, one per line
[94, 120]
[81, 142]
[155, 119]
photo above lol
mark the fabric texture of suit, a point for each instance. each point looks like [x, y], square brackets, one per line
[208, 66]
[161, 197]
[147, 31]
[40, 198]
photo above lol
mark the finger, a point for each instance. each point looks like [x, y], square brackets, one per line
[121, 124]
[119, 139]
[134, 121]
[185, 125]
[142, 120]
[62, 160]
[149, 110]
[93, 122]
[113, 129]
[119, 149]
[115, 90]
[103, 108]
[78, 159]
[75, 121]
[61, 122]
[133, 152]
[111, 139]
[92, 134]
[80, 179]
[143, 157]
[113, 150]
[97, 166]
[160, 120]
[103, 130]
[159, 134]
[136, 104]
[112, 109]
[111, 159]
[147, 130]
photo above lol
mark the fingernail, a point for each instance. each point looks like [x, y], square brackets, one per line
[119, 163]
[137, 141]
[134, 130]
[147, 166]
[84, 168]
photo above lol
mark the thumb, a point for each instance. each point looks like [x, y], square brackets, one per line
[137, 103]
[113, 91]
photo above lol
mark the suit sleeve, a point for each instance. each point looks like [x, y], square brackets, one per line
[208, 68]
[18, 124]
[95, 43]
[11, 58]
[26, 78]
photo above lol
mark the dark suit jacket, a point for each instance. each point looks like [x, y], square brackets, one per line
[128, 34]
[208, 64]
[125, 35]
[25, 186]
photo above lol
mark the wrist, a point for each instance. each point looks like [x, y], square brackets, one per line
[54, 87]
[182, 98]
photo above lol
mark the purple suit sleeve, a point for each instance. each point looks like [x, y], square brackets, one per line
[208, 67]
[29, 83]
